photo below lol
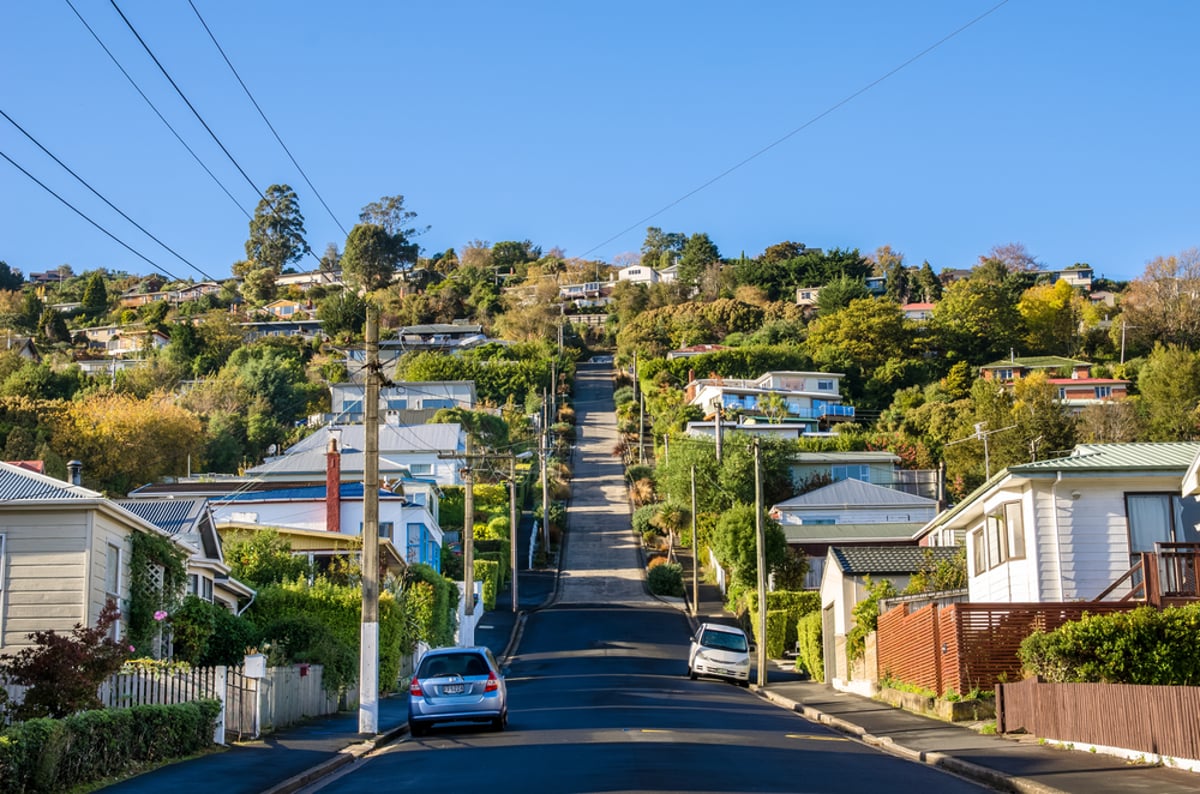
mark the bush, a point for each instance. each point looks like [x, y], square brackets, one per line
[488, 572]
[777, 620]
[57, 755]
[622, 395]
[642, 517]
[1143, 646]
[501, 559]
[639, 472]
[812, 651]
[666, 580]
[656, 561]
[431, 605]
[796, 603]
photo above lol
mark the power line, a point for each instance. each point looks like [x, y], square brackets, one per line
[264, 117]
[80, 213]
[98, 195]
[801, 128]
[161, 118]
[186, 101]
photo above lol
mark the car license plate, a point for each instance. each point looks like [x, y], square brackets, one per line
[452, 689]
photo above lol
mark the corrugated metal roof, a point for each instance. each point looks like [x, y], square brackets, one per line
[22, 485]
[845, 457]
[840, 533]
[1036, 362]
[862, 560]
[313, 462]
[392, 438]
[348, 490]
[170, 515]
[1158, 456]
[856, 493]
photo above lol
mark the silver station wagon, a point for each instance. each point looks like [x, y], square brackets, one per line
[457, 685]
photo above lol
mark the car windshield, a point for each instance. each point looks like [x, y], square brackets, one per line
[723, 640]
[464, 664]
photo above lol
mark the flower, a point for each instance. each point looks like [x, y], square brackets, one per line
[131, 649]
[159, 615]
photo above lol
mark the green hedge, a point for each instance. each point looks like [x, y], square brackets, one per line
[666, 580]
[1143, 646]
[431, 604]
[499, 551]
[812, 651]
[797, 604]
[56, 755]
[488, 572]
[776, 631]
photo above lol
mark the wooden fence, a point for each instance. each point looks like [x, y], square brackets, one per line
[1147, 719]
[960, 647]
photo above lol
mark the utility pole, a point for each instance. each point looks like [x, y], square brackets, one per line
[467, 636]
[368, 660]
[543, 459]
[513, 528]
[695, 552]
[641, 430]
[720, 432]
[760, 546]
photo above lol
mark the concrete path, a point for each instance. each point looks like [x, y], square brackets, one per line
[601, 561]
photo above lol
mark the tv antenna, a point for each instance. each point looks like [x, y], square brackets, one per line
[982, 435]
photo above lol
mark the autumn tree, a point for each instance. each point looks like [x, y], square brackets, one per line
[1014, 256]
[1051, 314]
[1164, 304]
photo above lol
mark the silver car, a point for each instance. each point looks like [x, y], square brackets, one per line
[457, 685]
[720, 651]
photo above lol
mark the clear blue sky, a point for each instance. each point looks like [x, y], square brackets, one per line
[1066, 125]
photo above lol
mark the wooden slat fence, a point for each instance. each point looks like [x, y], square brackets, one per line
[1146, 719]
[159, 687]
[960, 647]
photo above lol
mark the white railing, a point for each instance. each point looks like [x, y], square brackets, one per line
[715, 564]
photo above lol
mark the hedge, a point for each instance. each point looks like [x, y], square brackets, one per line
[776, 631]
[812, 652]
[499, 551]
[488, 571]
[431, 603]
[56, 755]
[796, 603]
[1143, 646]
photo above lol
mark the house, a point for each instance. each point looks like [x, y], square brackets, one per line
[1080, 276]
[1068, 528]
[307, 280]
[1076, 386]
[285, 309]
[807, 296]
[695, 350]
[844, 583]
[850, 512]
[918, 312]
[65, 551]
[133, 299]
[130, 341]
[808, 398]
[639, 274]
[587, 295]
[294, 326]
[190, 522]
[427, 452]
[23, 346]
[413, 402]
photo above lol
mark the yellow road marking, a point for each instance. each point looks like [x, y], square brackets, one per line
[816, 738]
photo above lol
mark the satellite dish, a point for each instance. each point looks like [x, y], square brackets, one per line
[272, 449]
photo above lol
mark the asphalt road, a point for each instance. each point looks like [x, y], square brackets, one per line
[599, 702]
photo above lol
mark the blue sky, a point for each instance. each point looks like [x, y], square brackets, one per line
[1066, 125]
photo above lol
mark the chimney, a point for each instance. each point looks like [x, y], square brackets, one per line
[75, 472]
[333, 487]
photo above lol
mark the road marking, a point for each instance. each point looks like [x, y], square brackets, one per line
[816, 738]
[481, 626]
[653, 730]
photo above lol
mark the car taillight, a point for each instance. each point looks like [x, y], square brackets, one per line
[493, 683]
[415, 688]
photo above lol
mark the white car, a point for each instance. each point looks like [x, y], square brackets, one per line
[720, 651]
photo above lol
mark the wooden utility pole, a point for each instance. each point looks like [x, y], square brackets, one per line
[641, 430]
[720, 432]
[368, 660]
[514, 533]
[760, 547]
[467, 638]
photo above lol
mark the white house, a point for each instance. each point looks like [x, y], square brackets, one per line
[1067, 529]
[809, 398]
[850, 513]
[347, 398]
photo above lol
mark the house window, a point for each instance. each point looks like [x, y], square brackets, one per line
[979, 557]
[857, 471]
[437, 403]
[1004, 374]
[418, 499]
[397, 405]
[824, 385]
[1062, 393]
[818, 521]
[385, 529]
[1160, 518]
[200, 586]
[1103, 392]
[420, 468]
[3, 561]
[1003, 538]
[1014, 525]
[996, 539]
[112, 572]
[352, 407]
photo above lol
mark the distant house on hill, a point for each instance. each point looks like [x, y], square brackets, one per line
[1073, 380]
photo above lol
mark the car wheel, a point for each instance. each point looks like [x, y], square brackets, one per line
[692, 673]
[418, 728]
[499, 722]
[744, 684]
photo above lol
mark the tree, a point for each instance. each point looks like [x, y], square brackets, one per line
[661, 249]
[781, 252]
[262, 558]
[734, 541]
[258, 284]
[331, 260]
[277, 230]
[53, 328]
[371, 256]
[1014, 256]
[1164, 304]
[1169, 392]
[95, 296]
[10, 278]
[344, 312]
[390, 213]
[929, 283]
[839, 293]
[1051, 315]
[976, 320]
[698, 253]
[509, 255]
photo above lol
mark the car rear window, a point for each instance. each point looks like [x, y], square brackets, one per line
[464, 664]
[723, 640]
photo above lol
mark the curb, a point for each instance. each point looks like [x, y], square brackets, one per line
[345, 756]
[888, 744]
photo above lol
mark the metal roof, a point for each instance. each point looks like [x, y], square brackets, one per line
[856, 493]
[392, 439]
[862, 560]
[348, 490]
[1036, 362]
[22, 485]
[170, 515]
[1154, 456]
[843, 533]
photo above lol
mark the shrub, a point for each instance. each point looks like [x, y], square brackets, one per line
[57, 755]
[796, 603]
[811, 649]
[866, 616]
[639, 471]
[655, 562]
[642, 517]
[776, 631]
[431, 605]
[651, 539]
[1143, 646]
[666, 580]
[488, 572]
[622, 395]
[501, 559]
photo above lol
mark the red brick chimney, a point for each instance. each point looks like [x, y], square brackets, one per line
[333, 487]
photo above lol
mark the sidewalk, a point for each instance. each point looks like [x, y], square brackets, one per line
[1021, 764]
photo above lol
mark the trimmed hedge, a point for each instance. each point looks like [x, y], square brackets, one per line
[812, 652]
[56, 755]
[488, 572]
[666, 580]
[499, 551]
[431, 604]
[796, 603]
[1143, 646]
